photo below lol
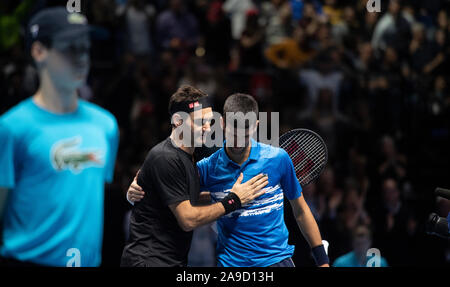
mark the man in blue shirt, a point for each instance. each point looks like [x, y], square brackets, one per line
[256, 234]
[361, 255]
[58, 151]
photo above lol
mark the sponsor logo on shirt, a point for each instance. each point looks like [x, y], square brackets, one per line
[66, 154]
[272, 202]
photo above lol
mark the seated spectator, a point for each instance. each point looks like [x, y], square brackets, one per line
[290, 53]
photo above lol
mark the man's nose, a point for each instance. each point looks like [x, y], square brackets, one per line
[207, 127]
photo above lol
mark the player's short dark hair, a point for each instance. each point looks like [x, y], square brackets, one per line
[240, 103]
[186, 93]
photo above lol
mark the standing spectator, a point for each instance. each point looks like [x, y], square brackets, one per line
[177, 28]
[138, 18]
[392, 224]
[218, 38]
[325, 77]
[393, 163]
[251, 43]
[392, 29]
[237, 11]
[276, 17]
[54, 206]
[358, 257]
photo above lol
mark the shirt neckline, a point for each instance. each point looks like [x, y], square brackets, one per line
[253, 156]
[42, 110]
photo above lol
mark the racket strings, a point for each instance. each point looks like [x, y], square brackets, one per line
[310, 146]
[308, 168]
[307, 152]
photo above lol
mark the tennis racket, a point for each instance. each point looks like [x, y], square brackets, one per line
[308, 153]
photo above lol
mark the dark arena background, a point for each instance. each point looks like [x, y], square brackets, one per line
[374, 85]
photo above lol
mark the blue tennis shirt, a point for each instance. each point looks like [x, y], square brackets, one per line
[55, 167]
[256, 234]
[350, 260]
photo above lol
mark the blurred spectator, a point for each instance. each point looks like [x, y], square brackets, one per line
[177, 28]
[237, 11]
[358, 257]
[332, 11]
[11, 17]
[353, 211]
[290, 53]
[302, 8]
[347, 27]
[315, 202]
[218, 34]
[138, 18]
[392, 29]
[201, 76]
[328, 189]
[438, 98]
[322, 78]
[393, 163]
[251, 42]
[276, 18]
[392, 224]
[368, 26]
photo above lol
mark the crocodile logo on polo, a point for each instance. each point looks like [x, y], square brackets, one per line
[66, 154]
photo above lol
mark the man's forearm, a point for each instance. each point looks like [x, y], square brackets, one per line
[190, 217]
[207, 214]
[308, 227]
[204, 198]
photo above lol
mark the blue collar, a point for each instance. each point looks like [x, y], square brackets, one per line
[254, 154]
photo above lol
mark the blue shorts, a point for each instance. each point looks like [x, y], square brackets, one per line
[285, 263]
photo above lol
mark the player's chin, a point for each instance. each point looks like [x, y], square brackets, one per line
[199, 142]
[78, 78]
[237, 150]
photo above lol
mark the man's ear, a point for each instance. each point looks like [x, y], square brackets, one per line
[39, 52]
[222, 123]
[255, 128]
[177, 120]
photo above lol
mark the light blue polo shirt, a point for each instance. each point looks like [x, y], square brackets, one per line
[255, 235]
[55, 167]
[350, 260]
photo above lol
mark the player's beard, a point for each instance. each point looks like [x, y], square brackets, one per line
[238, 150]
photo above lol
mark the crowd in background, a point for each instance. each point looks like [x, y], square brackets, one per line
[374, 85]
